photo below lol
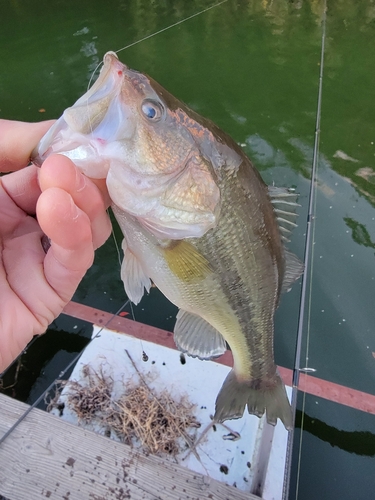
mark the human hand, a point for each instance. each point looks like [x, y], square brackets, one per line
[70, 209]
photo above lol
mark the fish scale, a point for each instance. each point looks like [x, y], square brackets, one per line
[243, 284]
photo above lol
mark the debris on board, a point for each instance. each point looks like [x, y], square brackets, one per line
[156, 422]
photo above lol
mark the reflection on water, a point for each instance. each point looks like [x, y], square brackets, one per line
[32, 374]
[358, 442]
[359, 233]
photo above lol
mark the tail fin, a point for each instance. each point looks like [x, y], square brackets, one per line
[235, 395]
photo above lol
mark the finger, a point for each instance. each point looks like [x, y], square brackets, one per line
[23, 188]
[60, 172]
[26, 305]
[69, 229]
[23, 264]
[18, 139]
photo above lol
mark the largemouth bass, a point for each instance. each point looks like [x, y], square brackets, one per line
[197, 220]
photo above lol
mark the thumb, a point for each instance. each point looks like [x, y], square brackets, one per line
[18, 139]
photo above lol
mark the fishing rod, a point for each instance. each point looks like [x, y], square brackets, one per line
[306, 278]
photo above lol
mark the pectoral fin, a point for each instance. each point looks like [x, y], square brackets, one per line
[196, 337]
[132, 274]
[185, 261]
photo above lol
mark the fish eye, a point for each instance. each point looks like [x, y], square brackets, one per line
[152, 110]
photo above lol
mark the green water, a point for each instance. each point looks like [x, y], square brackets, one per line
[253, 68]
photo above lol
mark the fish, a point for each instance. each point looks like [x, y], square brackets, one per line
[198, 222]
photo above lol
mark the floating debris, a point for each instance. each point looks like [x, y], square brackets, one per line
[366, 173]
[344, 156]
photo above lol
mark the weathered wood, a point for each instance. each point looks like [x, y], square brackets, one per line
[46, 457]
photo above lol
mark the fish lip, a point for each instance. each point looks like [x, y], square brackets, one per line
[110, 62]
[109, 55]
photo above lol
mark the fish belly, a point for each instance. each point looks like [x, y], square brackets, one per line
[199, 294]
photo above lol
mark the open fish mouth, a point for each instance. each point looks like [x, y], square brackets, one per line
[87, 131]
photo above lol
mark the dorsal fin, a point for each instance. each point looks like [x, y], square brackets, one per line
[284, 203]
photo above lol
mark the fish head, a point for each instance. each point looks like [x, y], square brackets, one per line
[161, 163]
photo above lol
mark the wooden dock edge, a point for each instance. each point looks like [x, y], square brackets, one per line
[46, 457]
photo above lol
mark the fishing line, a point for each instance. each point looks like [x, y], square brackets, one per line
[306, 292]
[171, 26]
[62, 373]
[92, 76]
[116, 244]
[132, 311]
[156, 33]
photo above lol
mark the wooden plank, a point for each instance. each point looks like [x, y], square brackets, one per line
[46, 457]
[337, 393]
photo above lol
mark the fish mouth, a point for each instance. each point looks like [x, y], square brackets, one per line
[85, 131]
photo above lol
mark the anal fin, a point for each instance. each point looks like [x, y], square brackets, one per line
[196, 337]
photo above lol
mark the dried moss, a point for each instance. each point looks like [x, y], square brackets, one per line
[157, 422]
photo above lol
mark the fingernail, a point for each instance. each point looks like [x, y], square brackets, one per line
[80, 181]
[74, 212]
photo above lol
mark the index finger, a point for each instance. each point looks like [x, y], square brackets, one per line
[17, 140]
